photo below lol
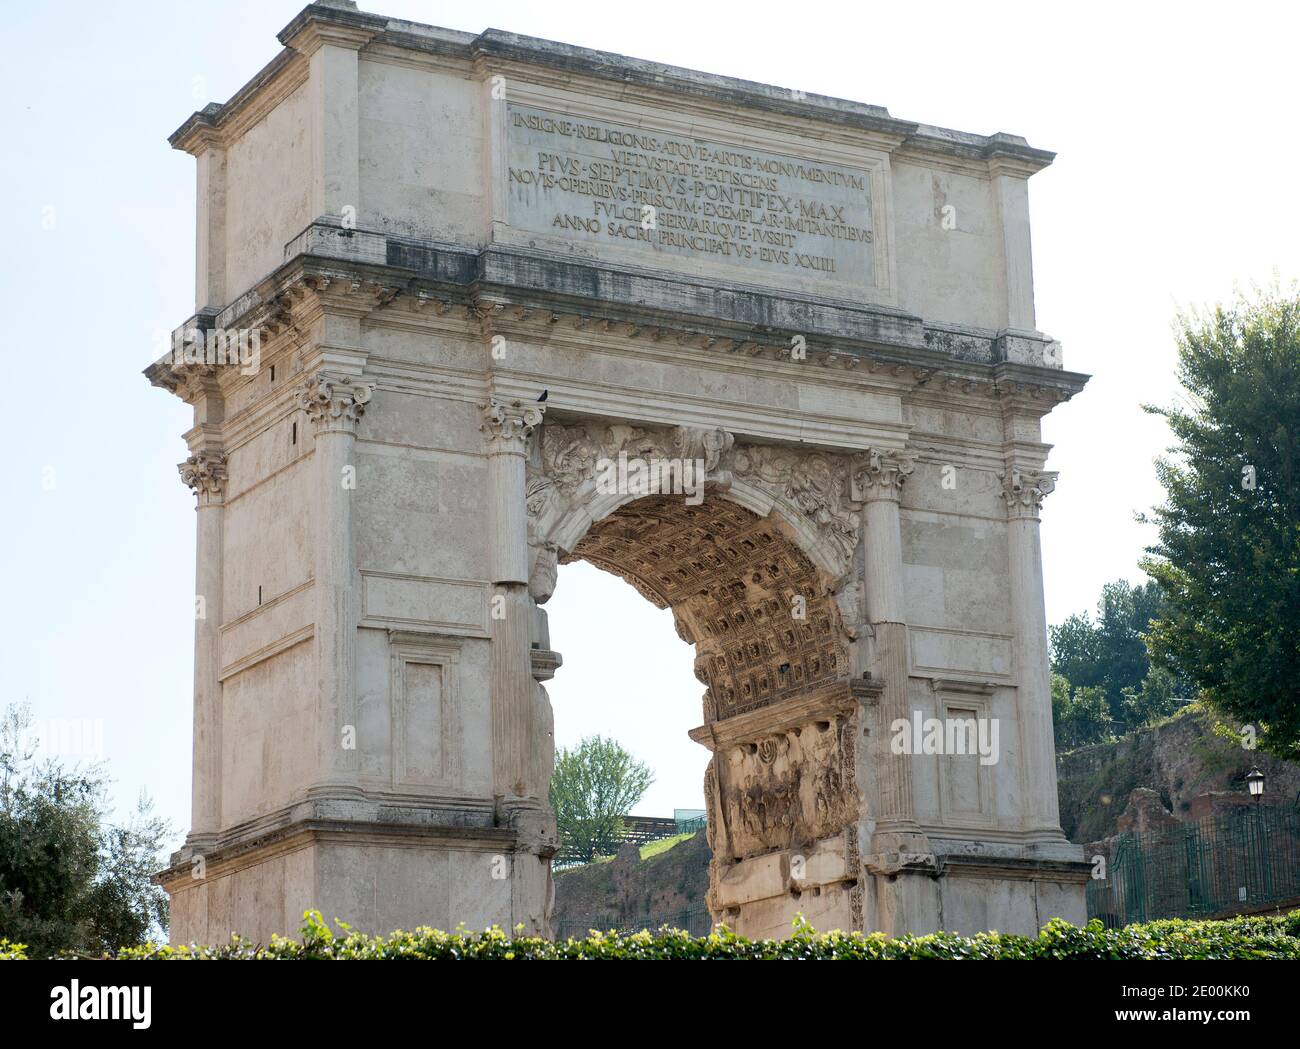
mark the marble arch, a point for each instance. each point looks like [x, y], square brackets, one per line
[428, 233]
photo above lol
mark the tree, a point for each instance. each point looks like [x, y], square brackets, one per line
[1080, 716]
[593, 788]
[1076, 651]
[68, 880]
[1228, 555]
[1108, 660]
[1124, 616]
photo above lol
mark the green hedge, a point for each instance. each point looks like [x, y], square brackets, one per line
[1244, 938]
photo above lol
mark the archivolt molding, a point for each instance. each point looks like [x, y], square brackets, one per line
[817, 495]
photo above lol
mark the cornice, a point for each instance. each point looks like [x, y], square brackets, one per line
[286, 831]
[505, 290]
[333, 19]
[988, 155]
[216, 123]
[1034, 391]
[340, 23]
[200, 131]
[313, 34]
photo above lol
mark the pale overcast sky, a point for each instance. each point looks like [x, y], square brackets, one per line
[1175, 129]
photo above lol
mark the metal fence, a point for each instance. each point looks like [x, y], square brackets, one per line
[1239, 861]
[694, 920]
[690, 826]
[637, 830]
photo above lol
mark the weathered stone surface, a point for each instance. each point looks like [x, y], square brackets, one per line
[444, 375]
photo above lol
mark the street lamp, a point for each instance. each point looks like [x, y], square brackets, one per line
[1255, 781]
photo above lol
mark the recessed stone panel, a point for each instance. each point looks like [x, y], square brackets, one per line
[959, 652]
[450, 605]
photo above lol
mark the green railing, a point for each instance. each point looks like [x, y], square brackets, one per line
[690, 826]
[637, 830]
[1239, 861]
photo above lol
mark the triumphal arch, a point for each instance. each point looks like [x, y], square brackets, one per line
[470, 307]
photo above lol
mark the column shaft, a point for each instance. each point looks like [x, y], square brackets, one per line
[335, 619]
[1024, 491]
[206, 815]
[507, 428]
[884, 562]
[335, 405]
[508, 513]
[205, 472]
[881, 483]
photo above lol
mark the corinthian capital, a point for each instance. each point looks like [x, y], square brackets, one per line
[205, 473]
[881, 474]
[509, 424]
[1025, 490]
[330, 401]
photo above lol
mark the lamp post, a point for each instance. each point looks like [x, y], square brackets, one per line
[1255, 782]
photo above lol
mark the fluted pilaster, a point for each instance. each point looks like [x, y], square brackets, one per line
[879, 484]
[334, 406]
[507, 427]
[1024, 490]
[205, 473]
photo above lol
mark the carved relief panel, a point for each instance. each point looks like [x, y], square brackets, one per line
[789, 788]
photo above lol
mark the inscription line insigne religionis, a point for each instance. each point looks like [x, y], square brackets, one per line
[604, 182]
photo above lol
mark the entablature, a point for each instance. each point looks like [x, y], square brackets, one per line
[357, 273]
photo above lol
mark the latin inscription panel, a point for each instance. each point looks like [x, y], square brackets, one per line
[675, 195]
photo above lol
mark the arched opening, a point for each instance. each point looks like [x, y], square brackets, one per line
[627, 676]
[758, 568]
[768, 637]
[763, 623]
